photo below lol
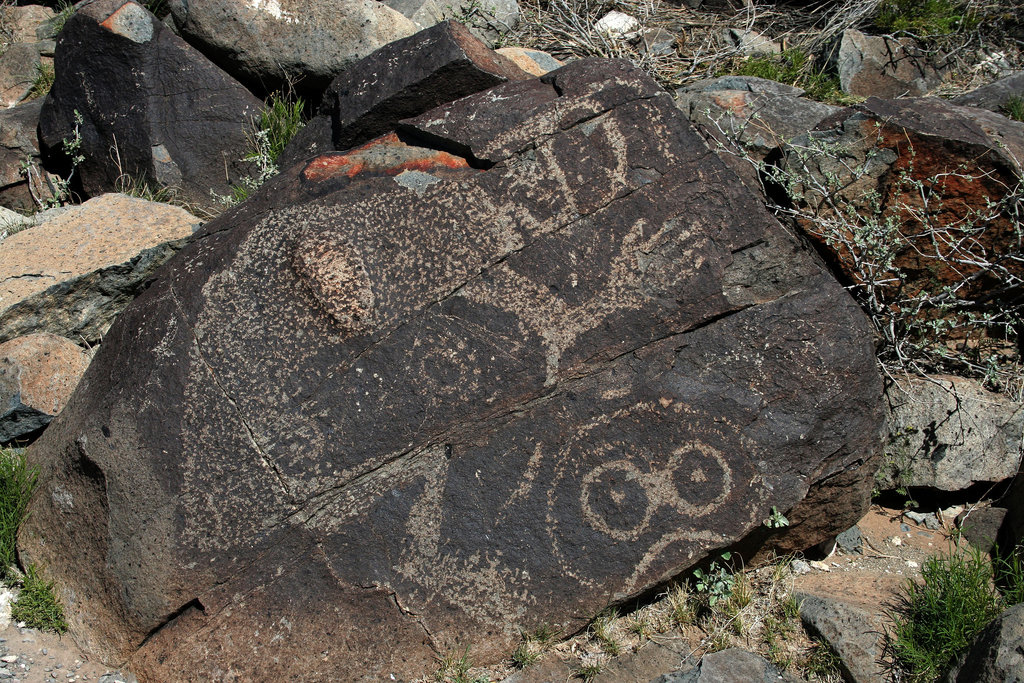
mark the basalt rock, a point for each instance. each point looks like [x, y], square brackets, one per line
[138, 103]
[267, 44]
[949, 433]
[406, 78]
[937, 181]
[488, 21]
[73, 273]
[996, 655]
[882, 66]
[409, 397]
[24, 184]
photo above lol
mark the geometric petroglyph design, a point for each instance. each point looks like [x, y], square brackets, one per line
[618, 498]
[637, 488]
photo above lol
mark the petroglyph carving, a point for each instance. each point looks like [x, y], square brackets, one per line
[335, 274]
[612, 491]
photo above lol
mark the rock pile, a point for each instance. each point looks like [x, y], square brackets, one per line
[493, 351]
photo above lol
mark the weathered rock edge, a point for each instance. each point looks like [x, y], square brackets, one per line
[380, 407]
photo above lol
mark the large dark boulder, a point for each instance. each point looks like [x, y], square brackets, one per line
[399, 403]
[143, 105]
[402, 79]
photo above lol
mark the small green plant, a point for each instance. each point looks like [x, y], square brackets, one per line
[822, 663]
[776, 520]
[602, 630]
[72, 147]
[587, 672]
[65, 8]
[1014, 108]
[454, 668]
[278, 123]
[937, 619]
[534, 644]
[271, 132]
[37, 605]
[42, 83]
[17, 481]
[924, 18]
[682, 610]
[1008, 573]
[717, 582]
[524, 655]
[794, 67]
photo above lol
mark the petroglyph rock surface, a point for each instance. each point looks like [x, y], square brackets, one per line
[399, 401]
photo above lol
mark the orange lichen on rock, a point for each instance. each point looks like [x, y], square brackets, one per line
[384, 156]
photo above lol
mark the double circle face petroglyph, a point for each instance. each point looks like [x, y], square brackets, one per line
[648, 475]
[618, 498]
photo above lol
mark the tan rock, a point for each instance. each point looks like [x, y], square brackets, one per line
[533, 62]
[38, 372]
[73, 274]
[30, 23]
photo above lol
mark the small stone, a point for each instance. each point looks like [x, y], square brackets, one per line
[9, 658]
[896, 540]
[851, 540]
[616, 24]
[799, 567]
[820, 566]
[951, 512]
[929, 520]
[912, 564]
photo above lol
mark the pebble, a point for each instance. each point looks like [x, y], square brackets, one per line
[912, 564]
[929, 520]
[9, 658]
[820, 566]
[799, 567]
[896, 540]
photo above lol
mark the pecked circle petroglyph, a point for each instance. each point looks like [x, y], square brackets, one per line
[610, 492]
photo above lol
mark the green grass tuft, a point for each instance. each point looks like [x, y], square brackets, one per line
[17, 480]
[37, 605]
[42, 83]
[927, 18]
[794, 67]
[280, 120]
[1014, 108]
[938, 619]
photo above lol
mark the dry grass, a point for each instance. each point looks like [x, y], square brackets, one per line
[565, 28]
[760, 616]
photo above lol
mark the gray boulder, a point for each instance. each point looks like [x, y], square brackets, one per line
[19, 68]
[729, 666]
[747, 118]
[24, 184]
[949, 433]
[487, 19]
[994, 96]
[997, 654]
[266, 44]
[884, 66]
[853, 633]
[397, 397]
